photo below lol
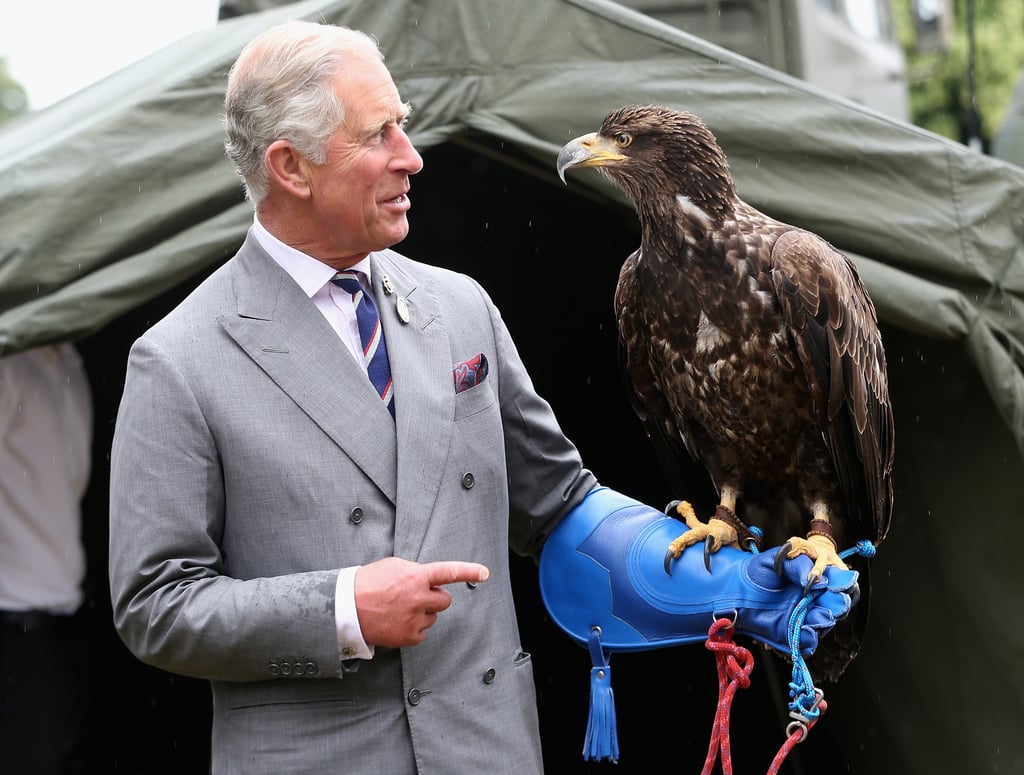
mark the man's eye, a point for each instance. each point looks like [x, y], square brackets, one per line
[377, 136]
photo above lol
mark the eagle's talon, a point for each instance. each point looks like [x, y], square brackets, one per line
[780, 558]
[671, 509]
[715, 534]
[821, 550]
[669, 556]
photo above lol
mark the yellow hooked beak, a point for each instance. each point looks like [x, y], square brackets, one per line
[589, 150]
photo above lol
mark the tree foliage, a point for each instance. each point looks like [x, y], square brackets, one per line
[939, 80]
[13, 98]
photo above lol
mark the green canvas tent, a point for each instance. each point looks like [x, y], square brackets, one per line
[116, 201]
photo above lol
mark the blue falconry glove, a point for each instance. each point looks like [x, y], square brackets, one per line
[603, 566]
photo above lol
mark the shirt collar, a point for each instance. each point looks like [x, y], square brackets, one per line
[309, 273]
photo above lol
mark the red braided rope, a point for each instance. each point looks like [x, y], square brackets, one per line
[734, 665]
[797, 735]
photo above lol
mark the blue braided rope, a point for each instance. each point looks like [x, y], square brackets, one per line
[805, 698]
[864, 548]
[757, 533]
[803, 695]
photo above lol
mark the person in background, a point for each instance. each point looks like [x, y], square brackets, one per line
[45, 457]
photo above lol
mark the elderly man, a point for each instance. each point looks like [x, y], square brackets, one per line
[324, 454]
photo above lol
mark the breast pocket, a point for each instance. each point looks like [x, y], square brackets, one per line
[473, 401]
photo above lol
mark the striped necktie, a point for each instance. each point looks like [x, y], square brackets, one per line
[375, 352]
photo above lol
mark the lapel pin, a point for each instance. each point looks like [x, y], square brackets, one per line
[388, 287]
[403, 309]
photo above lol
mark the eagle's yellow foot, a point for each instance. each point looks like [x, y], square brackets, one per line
[820, 547]
[715, 533]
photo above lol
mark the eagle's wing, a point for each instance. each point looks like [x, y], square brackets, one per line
[835, 329]
[671, 439]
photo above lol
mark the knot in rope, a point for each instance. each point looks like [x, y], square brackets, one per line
[863, 547]
[734, 664]
[734, 661]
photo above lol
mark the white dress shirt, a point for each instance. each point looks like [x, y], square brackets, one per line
[45, 454]
[314, 278]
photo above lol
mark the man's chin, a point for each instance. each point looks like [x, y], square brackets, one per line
[395, 235]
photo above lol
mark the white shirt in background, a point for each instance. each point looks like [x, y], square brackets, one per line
[45, 456]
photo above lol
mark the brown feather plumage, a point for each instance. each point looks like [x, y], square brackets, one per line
[751, 342]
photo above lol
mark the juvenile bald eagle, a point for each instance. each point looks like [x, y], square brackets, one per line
[752, 344]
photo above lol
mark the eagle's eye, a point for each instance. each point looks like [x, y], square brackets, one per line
[623, 139]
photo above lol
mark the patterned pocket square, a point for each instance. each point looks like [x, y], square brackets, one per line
[470, 373]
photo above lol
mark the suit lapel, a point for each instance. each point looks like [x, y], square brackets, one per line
[421, 367]
[284, 333]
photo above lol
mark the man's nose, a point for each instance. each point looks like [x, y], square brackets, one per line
[407, 156]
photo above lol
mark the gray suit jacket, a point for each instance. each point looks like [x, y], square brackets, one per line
[252, 459]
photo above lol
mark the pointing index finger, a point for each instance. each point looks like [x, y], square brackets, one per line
[454, 571]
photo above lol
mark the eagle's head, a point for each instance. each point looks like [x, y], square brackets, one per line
[653, 151]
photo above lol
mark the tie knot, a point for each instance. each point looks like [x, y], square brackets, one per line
[348, 281]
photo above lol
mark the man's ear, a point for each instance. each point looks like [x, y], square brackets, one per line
[288, 168]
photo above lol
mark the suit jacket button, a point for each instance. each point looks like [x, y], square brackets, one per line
[468, 481]
[414, 696]
[355, 516]
[489, 676]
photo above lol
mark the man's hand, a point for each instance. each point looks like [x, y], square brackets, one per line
[398, 601]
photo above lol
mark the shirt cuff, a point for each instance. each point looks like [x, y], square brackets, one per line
[350, 637]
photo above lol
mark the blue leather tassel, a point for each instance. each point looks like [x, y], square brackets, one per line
[602, 737]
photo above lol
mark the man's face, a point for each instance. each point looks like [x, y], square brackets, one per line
[361, 193]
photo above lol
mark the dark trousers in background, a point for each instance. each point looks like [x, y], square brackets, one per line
[46, 703]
